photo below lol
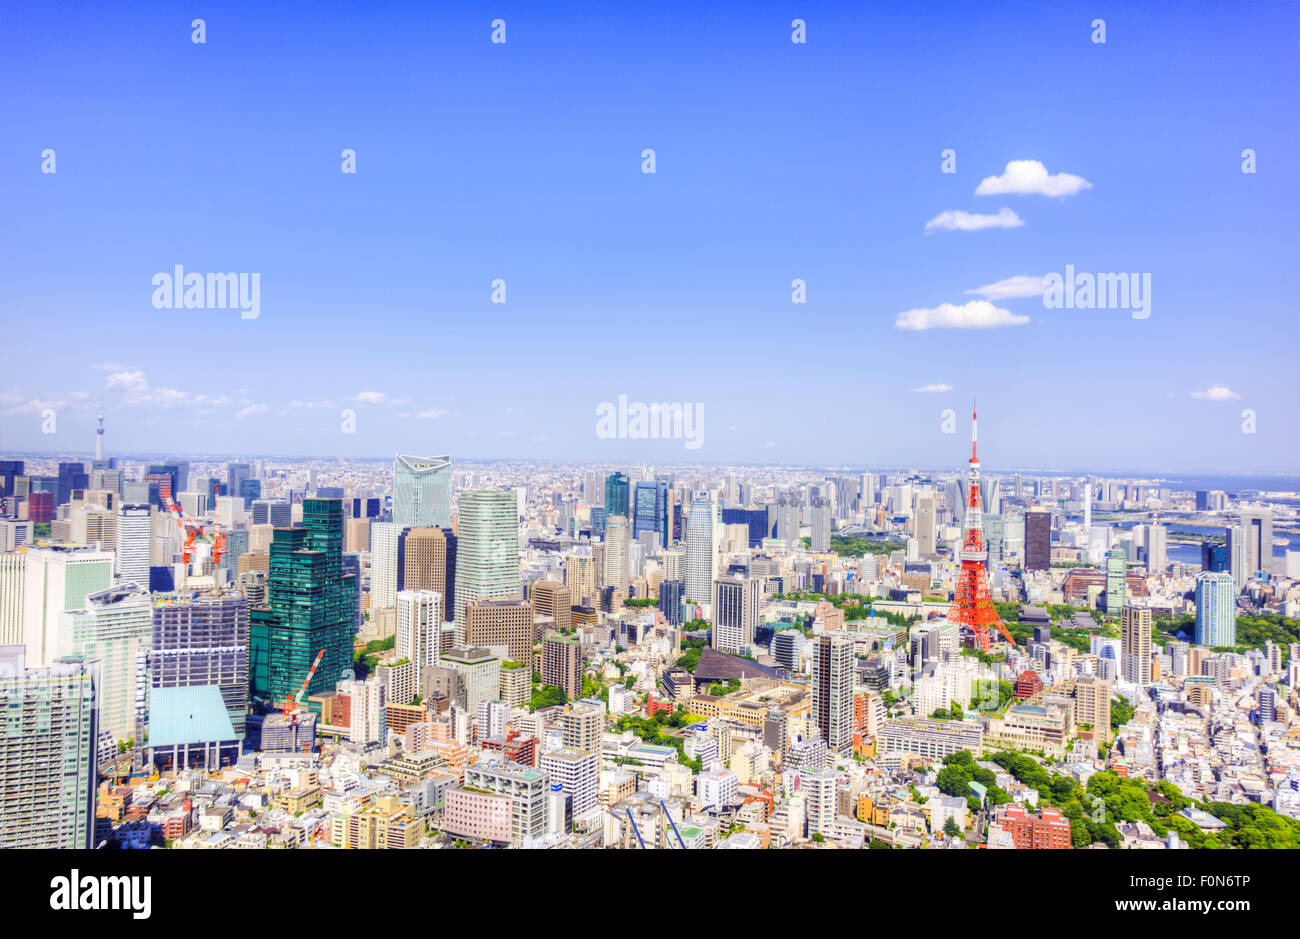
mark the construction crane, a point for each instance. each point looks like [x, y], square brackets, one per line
[669, 816]
[192, 530]
[635, 830]
[289, 706]
[766, 798]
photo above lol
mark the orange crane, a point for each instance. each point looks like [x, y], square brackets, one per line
[192, 530]
[289, 706]
[766, 798]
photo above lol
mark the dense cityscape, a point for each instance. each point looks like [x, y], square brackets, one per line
[423, 653]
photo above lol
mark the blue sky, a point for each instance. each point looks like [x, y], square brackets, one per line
[774, 161]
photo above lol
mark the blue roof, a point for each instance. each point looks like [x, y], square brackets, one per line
[188, 715]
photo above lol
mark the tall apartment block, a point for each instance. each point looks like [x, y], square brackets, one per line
[48, 742]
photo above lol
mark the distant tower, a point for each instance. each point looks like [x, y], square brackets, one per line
[99, 434]
[972, 607]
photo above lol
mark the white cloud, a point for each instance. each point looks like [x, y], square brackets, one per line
[128, 381]
[253, 410]
[432, 413]
[973, 314]
[299, 405]
[397, 402]
[957, 220]
[17, 404]
[1013, 288]
[1030, 177]
[371, 397]
[933, 388]
[1216, 393]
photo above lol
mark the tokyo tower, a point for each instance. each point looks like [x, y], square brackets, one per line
[972, 607]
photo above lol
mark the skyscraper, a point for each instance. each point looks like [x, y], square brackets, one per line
[1135, 645]
[1251, 545]
[134, 533]
[385, 564]
[428, 562]
[422, 491]
[821, 523]
[832, 689]
[671, 594]
[1216, 610]
[650, 511]
[312, 606]
[735, 613]
[701, 564]
[115, 628]
[58, 578]
[616, 495]
[926, 532]
[487, 555]
[1038, 541]
[616, 553]
[419, 628]
[48, 746]
[1116, 580]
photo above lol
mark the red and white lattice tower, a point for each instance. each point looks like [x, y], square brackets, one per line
[972, 607]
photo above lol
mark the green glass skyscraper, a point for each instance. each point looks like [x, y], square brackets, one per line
[311, 605]
[616, 495]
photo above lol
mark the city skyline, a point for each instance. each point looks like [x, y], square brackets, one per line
[919, 283]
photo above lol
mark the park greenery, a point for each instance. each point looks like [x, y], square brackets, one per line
[638, 603]
[651, 730]
[367, 657]
[852, 546]
[690, 656]
[547, 696]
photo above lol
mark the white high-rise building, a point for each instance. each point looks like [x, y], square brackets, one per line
[58, 578]
[419, 627]
[616, 553]
[926, 531]
[701, 559]
[384, 538]
[48, 745]
[422, 491]
[1157, 549]
[115, 628]
[134, 533]
[365, 709]
[13, 574]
